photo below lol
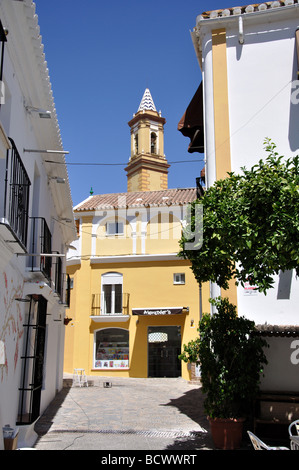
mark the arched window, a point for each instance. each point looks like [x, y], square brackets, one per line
[111, 349]
[136, 144]
[153, 143]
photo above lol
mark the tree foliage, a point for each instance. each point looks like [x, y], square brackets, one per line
[250, 224]
[231, 358]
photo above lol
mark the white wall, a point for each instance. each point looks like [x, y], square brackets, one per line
[11, 333]
[282, 370]
[260, 76]
[24, 81]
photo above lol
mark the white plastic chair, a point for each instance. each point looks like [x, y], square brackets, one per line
[260, 445]
[294, 426]
[79, 378]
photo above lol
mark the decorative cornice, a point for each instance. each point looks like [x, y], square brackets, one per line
[146, 115]
[246, 9]
[148, 162]
[135, 258]
[283, 331]
[24, 47]
[254, 12]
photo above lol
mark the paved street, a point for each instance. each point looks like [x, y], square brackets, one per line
[129, 414]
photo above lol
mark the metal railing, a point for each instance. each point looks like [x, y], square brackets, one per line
[57, 275]
[61, 281]
[16, 194]
[40, 244]
[103, 304]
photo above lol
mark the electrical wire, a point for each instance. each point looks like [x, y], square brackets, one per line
[172, 228]
[182, 161]
[114, 164]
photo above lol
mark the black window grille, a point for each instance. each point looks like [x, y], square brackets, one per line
[32, 361]
[68, 290]
[40, 245]
[58, 279]
[16, 197]
[62, 283]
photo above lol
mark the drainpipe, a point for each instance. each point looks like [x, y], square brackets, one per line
[200, 302]
[241, 30]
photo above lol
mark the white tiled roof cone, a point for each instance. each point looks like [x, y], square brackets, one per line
[147, 103]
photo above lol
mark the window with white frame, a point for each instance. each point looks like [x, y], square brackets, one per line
[112, 294]
[115, 228]
[179, 278]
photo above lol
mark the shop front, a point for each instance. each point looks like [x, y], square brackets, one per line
[111, 349]
[164, 347]
[163, 332]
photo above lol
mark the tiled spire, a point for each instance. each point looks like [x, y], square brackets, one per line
[147, 103]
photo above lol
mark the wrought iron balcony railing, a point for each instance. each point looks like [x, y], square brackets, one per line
[51, 267]
[40, 245]
[103, 304]
[61, 280]
[57, 275]
[15, 199]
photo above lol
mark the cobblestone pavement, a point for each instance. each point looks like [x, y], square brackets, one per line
[129, 414]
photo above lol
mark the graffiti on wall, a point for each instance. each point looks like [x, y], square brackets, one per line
[11, 323]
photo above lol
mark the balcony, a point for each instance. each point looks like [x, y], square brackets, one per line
[14, 200]
[110, 308]
[40, 246]
[43, 262]
[60, 281]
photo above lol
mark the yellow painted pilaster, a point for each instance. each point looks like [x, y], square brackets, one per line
[221, 108]
[81, 355]
[221, 121]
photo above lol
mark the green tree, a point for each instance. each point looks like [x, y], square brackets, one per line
[231, 358]
[250, 225]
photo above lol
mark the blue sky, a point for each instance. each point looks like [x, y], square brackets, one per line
[101, 56]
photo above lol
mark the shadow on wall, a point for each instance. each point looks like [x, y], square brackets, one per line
[294, 105]
[284, 285]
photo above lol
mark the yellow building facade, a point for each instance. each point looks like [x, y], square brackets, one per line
[134, 302]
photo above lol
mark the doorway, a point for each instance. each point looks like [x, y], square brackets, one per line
[164, 347]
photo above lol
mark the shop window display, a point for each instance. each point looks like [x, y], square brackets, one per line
[112, 349]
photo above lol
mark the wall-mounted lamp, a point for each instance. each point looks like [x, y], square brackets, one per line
[43, 113]
[241, 30]
[65, 219]
[57, 179]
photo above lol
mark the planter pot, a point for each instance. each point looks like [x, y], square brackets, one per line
[226, 433]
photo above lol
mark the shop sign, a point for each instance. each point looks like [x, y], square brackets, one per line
[250, 289]
[157, 311]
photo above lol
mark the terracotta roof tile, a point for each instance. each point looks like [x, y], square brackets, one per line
[278, 330]
[248, 8]
[166, 197]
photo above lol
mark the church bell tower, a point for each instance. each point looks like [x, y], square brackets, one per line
[147, 169]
